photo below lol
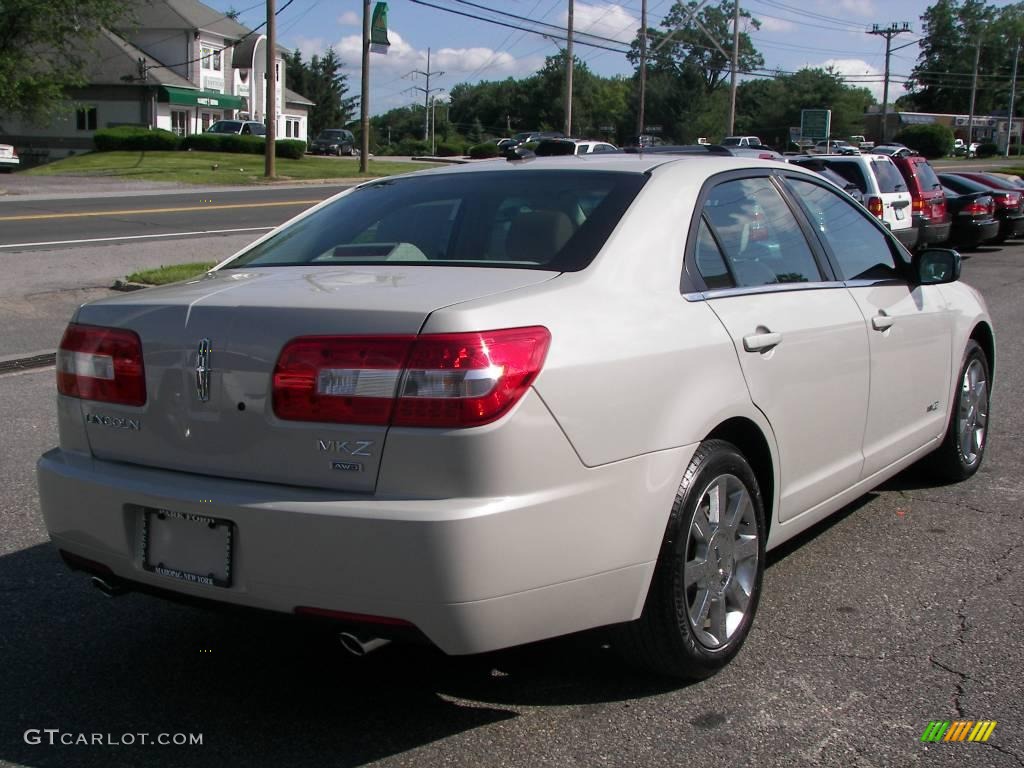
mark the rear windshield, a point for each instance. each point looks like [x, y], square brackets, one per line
[851, 172]
[333, 135]
[889, 179]
[964, 186]
[527, 219]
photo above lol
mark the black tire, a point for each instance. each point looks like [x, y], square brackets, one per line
[663, 640]
[949, 463]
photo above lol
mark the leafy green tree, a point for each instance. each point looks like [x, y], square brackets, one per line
[932, 141]
[323, 82]
[45, 46]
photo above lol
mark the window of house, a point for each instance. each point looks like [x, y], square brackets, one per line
[291, 128]
[85, 118]
[179, 122]
[211, 58]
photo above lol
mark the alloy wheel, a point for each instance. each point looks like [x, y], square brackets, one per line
[973, 412]
[721, 561]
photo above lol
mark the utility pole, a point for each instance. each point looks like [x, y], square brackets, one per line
[735, 67]
[271, 96]
[643, 69]
[568, 75]
[364, 99]
[1013, 93]
[974, 91]
[426, 94]
[888, 33]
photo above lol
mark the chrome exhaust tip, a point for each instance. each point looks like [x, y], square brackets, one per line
[359, 646]
[108, 587]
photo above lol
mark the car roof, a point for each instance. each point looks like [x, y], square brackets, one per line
[701, 165]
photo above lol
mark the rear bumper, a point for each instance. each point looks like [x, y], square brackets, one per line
[908, 236]
[969, 233]
[472, 574]
[1011, 225]
[932, 232]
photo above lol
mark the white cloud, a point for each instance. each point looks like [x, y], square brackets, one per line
[860, 67]
[769, 24]
[859, 7]
[309, 46]
[349, 19]
[611, 21]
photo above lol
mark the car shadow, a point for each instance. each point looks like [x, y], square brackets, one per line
[261, 689]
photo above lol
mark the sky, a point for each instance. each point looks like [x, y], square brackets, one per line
[793, 34]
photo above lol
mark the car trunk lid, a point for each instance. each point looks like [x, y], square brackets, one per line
[236, 323]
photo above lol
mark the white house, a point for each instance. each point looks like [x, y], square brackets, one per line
[182, 66]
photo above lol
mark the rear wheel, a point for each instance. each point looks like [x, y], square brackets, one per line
[707, 582]
[963, 447]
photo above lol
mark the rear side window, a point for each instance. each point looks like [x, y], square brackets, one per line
[889, 179]
[758, 234]
[852, 172]
[554, 220]
[710, 262]
[926, 176]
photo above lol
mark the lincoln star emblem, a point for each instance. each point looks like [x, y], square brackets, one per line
[203, 370]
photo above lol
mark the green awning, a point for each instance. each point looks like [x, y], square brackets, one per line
[190, 98]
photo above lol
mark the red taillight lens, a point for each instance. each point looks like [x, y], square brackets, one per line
[103, 364]
[347, 379]
[1010, 200]
[875, 206]
[441, 380]
[977, 209]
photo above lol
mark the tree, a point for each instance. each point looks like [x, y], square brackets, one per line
[44, 50]
[322, 82]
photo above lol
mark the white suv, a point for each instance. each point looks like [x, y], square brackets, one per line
[884, 189]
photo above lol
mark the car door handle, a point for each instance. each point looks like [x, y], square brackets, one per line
[761, 342]
[882, 322]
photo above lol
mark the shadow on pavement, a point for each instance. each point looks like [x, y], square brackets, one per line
[262, 690]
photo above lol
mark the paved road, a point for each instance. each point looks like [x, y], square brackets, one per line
[75, 221]
[904, 608]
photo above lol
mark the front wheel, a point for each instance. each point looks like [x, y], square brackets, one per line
[707, 581]
[963, 448]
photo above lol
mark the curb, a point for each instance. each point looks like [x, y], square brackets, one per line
[25, 361]
[126, 285]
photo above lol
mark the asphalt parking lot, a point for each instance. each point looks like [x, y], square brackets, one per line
[904, 608]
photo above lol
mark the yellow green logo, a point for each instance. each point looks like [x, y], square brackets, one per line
[958, 730]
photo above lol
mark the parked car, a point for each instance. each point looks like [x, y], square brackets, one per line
[893, 150]
[885, 191]
[333, 141]
[861, 143]
[554, 147]
[819, 166]
[835, 147]
[393, 411]
[973, 218]
[994, 180]
[644, 141]
[741, 141]
[1008, 203]
[960, 147]
[929, 201]
[759, 153]
[9, 159]
[1013, 178]
[241, 127]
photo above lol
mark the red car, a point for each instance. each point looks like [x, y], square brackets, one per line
[930, 212]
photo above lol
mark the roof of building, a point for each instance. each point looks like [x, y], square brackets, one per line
[115, 61]
[291, 97]
[185, 14]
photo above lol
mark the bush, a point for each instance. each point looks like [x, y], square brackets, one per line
[248, 145]
[411, 147]
[988, 149]
[932, 141]
[483, 151]
[451, 150]
[293, 149]
[135, 138]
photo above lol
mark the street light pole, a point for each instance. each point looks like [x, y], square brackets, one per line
[643, 69]
[568, 75]
[1013, 93]
[735, 67]
[271, 95]
[364, 98]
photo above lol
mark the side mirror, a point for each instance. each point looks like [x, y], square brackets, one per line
[935, 266]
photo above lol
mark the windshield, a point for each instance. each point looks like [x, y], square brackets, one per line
[331, 135]
[225, 126]
[731, 141]
[530, 219]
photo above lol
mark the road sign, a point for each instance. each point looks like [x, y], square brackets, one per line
[815, 123]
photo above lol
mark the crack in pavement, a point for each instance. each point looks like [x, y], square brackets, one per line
[1006, 751]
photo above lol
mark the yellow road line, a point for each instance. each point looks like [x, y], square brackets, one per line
[135, 211]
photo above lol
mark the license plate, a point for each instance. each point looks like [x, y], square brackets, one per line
[899, 214]
[187, 547]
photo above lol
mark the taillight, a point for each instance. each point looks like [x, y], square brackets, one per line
[1009, 200]
[875, 206]
[103, 364]
[918, 205]
[439, 380]
[977, 208]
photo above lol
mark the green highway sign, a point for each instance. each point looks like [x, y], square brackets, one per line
[815, 123]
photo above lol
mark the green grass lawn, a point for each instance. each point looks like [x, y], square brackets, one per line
[198, 167]
[171, 274]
